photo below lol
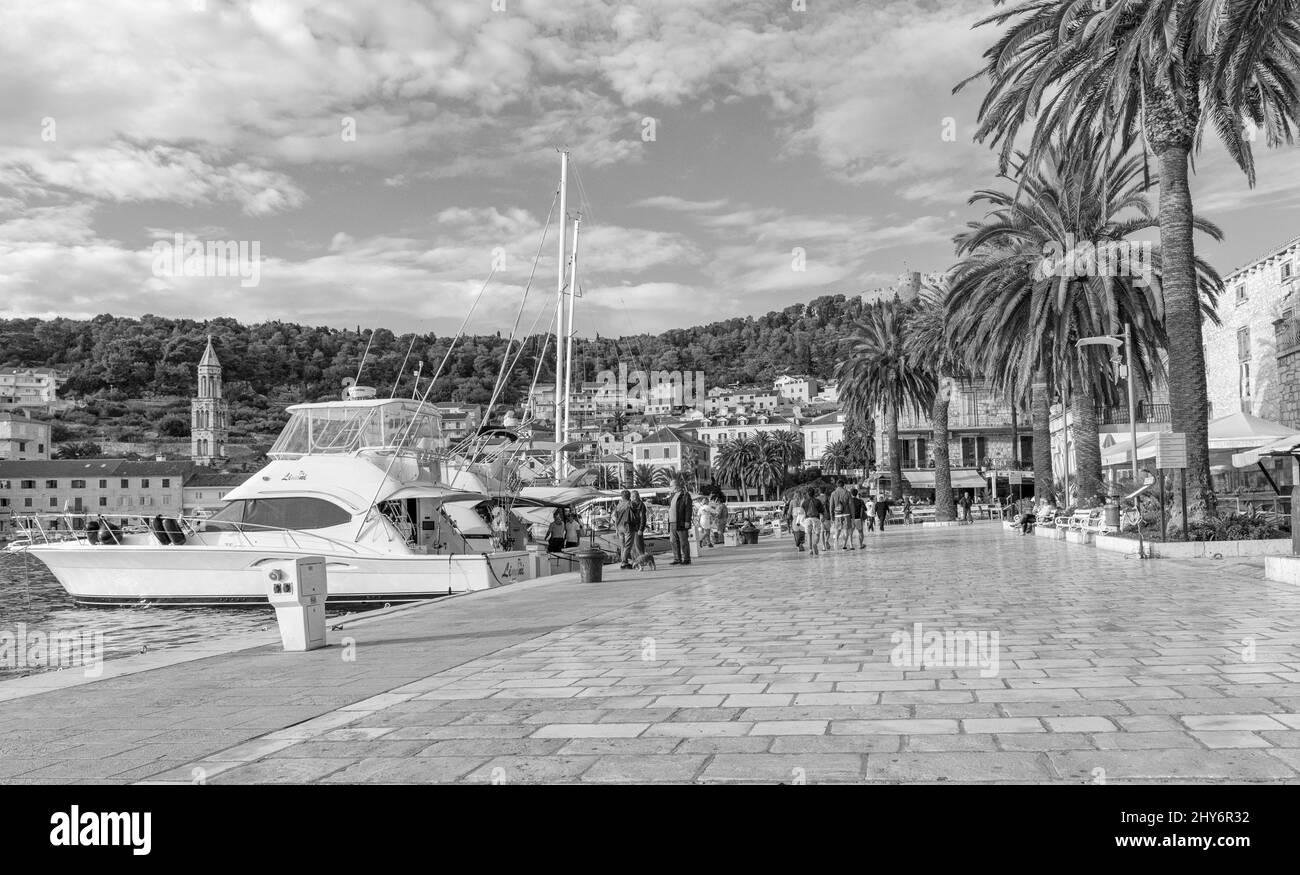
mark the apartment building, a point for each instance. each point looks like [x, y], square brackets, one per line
[81, 486]
[23, 438]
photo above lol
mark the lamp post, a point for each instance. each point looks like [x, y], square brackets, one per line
[1115, 342]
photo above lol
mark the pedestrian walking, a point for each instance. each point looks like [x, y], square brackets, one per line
[858, 516]
[871, 513]
[882, 511]
[721, 516]
[841, 512]
[555, 533]
[680, 512]
[797, 528]
[813, 509]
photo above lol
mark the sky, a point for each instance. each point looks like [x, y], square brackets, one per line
[383, 159]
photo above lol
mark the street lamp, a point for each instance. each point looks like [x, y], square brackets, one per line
[1115, 342]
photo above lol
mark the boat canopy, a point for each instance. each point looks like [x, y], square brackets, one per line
[343, 427]
[356, 482]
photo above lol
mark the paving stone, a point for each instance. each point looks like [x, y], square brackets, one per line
[963, 766]
[783, 768]
[644, 769]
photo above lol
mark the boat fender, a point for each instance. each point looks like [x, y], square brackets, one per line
[159, 531]
[173, 529]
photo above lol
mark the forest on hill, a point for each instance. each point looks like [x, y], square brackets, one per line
[266, 366]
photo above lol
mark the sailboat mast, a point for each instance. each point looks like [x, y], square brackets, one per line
[568, 334]
[561, 428]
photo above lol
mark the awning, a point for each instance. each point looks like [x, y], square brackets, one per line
[1239, 430]
[1121, 453]
[968, 480]
[1285, 447]
[919, 479]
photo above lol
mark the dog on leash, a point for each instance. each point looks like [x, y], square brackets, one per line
[644, 562]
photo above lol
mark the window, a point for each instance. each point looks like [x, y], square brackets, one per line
[281, 513]
[1243, 344]
[667, 452]
[54, 502]
[144, 483]
[51, 484]
[27, 502]
[28, 484]
[78, 484]
[4, 502]
[1241, 293]
[1288, 270]
[103, 484]
[22, 446]
[40, 448]
[103, 501]
[167, 499]
[125, 483]
[167, 483]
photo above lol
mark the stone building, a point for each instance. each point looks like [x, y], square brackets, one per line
[1249, 359]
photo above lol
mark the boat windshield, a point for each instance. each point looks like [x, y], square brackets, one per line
[338, 428]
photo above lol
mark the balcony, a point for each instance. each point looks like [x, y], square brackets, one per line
[961, 421]
[1286, 333]
[1150, 417]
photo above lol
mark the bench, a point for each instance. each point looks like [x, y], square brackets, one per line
[1084, 524]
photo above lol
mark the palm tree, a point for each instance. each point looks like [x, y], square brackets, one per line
[834, 456]
[790, 445]
[879, 372]
[1020, 313]
[930, 346]
[768, 469]
[643, 476]
[1158, 72]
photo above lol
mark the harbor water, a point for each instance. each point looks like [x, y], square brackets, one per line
[32, 603]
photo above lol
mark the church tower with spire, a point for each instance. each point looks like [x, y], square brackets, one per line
[209, 417]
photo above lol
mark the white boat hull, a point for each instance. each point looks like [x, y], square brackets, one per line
[191, 575]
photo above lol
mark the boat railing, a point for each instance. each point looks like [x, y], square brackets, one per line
[36, 528]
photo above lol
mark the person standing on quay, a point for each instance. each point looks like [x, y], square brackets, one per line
[679, 523]
[704, 535]
[623, 527]
[871, 513]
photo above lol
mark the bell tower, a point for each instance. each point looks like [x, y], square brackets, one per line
[209, 418]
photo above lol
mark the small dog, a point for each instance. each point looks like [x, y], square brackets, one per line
[644, 562]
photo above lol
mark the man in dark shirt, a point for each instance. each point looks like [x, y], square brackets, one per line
[858, 516]
[680, 514]
[882, 510]
[813, 509]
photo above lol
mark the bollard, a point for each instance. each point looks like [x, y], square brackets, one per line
[297, 589]
[591, 565]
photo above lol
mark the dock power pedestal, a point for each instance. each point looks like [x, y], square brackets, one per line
[297, 589]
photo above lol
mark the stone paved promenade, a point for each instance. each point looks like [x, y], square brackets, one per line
[754, 664]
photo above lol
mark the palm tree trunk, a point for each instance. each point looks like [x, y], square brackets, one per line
[945, 509]
[895, 455]
[1042, 415]
[1087, 446]
[1188, 397]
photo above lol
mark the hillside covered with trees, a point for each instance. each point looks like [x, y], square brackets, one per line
[114, 363]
